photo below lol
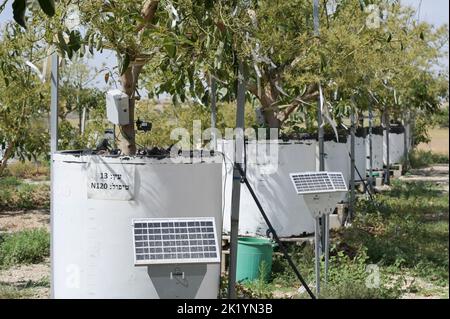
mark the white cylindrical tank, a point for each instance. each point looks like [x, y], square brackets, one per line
[337, 160]
[269, 176]
[396, 145]
[92, 241]
[360, 156]
[377, 150]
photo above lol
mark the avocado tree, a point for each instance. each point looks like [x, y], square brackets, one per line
[24, 99]
[177, 46]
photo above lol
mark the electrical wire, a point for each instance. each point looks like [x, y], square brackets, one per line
[128, 138]
[274, 233]
[266, 219]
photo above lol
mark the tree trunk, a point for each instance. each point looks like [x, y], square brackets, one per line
[8, 153]
[271, 118]
[127, 136]
[267, 100]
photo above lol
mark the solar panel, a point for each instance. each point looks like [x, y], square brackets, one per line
[175, 240]
[338, 181]
[312, 182]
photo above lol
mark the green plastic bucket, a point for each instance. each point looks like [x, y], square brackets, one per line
[254, 259]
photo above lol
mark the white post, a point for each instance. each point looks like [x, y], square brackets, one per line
[213, 88]
[317, 244]
[236, 187]
[54, 103]
[352, 165]
[387, 127]
[370, 147]
[53, 148]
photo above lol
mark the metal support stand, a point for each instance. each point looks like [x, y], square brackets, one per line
[213, 88]
[53, 148]
[283, 249]
[321, 247]
[387, 127]
[370, 148]
[320, 133]
[319, 108]
[236, 187]
[327, 246]
[352, 170]
[405, 141]
[317, 253]
[54, 103]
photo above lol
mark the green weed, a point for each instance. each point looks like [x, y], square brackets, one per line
[25, 247]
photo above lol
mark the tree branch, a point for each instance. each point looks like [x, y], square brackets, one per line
[148, 13]
[310, 94]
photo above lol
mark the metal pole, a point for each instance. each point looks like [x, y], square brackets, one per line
[405, 141]
[327, 244]
[319, 111]
[370, 147]
[317, 245]
[213, 110]
[352, 165]
[387, 127]
[54, 103]
[53, 148]
[320, 133]
[274, 233]
[316, 17]
[236, 188]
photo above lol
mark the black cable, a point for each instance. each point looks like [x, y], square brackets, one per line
[366, 189]
[272, 230]
[245, 158]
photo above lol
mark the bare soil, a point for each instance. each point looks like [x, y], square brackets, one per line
[29, 281]
[13, 221]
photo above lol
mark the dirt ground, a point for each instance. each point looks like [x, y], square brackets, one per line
[25, 281]
[30, 281]
[24, 219]
[439, 141]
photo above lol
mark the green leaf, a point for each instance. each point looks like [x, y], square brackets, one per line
[62, 42]
[125, 63]
[48, 6]
[19, 8]
[171, 49]
[74, 41]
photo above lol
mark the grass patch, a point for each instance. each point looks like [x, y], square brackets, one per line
[409, 229]
[11, 292]
[37, 171]
[15, 194]
[25, 247]
[257, 289]
[347, 277]
[391, 247]
[421, 158]
[27, 290]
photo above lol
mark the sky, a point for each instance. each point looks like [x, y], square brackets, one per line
[435, 12]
